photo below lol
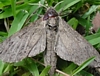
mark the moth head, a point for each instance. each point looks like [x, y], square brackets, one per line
[50, 13]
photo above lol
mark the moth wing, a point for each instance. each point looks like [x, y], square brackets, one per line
[30, 41]
[73, 47]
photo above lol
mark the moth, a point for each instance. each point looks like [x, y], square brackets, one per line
[51, 35]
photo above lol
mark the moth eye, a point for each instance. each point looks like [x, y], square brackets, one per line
[45, 17]
[52, 13]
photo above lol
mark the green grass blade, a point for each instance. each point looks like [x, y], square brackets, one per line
[1, 67]
[83, 65]
[70, 3]
[91, 10]
[32, 67]
[66, 4]
[4, 3]
[18, 22]
[94, 41]
[70, 68]
[90, 37]
[4, 67]
[84, 22]
[13, 6]
[45, 71]
[3, 33]
[29, 64]
[83, 73]
[73, 22]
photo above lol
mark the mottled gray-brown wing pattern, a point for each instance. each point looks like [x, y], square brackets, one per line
[30, 41]
[73, 47]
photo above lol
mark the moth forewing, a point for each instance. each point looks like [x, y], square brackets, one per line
[40, 46]
[52, 35]
[73, 47]
[19, 46]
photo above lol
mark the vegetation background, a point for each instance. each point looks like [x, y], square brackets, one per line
[14, 14]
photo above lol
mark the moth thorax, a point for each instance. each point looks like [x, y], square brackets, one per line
[53, 23]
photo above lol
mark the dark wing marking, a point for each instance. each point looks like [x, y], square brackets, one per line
[73, 47]
[30, 41]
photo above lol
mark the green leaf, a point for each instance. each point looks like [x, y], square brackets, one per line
[98, 46]
[42, 2]
[7, 67]
[32, 9]
[83, 65]
[10, 11]
[91, 10]
[45, 71]
[3, 33]
[35, 16]
[83, 73]
[4, 3]
[4, 67]
[93, 36]
[85, 23]
[35, 7]
[50, 2]
[18, 22]
[70, 68]
[21, 18]
[1, 67]
[73, 22]
[94, 41]
[29, 64]
[66, 4]
[32, 67]
[13, 6]
[70, 3]
[7, 12]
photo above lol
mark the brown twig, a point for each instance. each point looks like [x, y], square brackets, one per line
[62, 72]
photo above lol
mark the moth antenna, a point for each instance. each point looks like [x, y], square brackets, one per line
[58, 4]
[39, 4]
